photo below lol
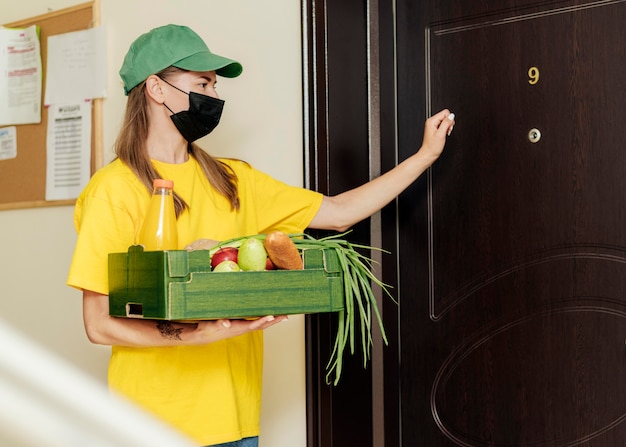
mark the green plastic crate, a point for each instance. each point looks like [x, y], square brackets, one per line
[179, 285]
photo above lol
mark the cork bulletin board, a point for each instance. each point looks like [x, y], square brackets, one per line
[23, 179]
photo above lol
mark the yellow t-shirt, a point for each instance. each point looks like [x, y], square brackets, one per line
[213, 392]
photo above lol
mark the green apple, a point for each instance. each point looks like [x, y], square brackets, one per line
[252, 255]
[227, 266]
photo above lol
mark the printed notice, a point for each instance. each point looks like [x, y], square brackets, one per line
[76, 67]
[8, 143]
[21, 76]
[68, 150]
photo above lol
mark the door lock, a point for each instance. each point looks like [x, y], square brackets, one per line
[534, 135]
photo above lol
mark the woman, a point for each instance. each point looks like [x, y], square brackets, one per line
[204, 378]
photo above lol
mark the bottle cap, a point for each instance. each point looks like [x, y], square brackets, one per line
[163, 183]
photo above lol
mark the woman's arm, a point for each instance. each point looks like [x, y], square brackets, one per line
[103, 329]
[342, 211]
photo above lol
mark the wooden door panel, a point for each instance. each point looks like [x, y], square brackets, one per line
[521, 342]
[546, 375]
[520, 201]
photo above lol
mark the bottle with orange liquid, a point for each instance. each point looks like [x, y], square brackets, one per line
[158, 231]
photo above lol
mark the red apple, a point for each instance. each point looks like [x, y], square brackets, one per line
[224, 254]
[269, 265]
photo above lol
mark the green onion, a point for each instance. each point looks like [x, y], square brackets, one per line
[359, 296]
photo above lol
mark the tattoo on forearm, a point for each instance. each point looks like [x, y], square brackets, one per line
[168, 331]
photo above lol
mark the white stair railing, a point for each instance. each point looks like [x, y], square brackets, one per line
[46, 402]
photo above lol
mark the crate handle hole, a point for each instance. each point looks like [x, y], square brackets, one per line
[134, 310]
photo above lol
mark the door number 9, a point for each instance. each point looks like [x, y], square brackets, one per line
[533, 75]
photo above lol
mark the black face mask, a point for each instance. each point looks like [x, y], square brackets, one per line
[202, 117]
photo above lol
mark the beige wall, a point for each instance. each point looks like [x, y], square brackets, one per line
[262, 123]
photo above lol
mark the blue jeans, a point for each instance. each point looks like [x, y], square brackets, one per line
[245, 442]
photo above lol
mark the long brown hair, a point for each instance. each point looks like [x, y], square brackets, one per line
[130, 147]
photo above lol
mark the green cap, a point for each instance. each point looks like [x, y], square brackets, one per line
[172, 45]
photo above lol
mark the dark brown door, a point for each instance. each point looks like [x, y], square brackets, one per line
[512, 265]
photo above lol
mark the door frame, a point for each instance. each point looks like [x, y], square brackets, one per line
[349, 74]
